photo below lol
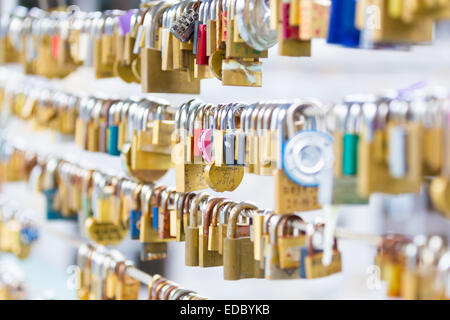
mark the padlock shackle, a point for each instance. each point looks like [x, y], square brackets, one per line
[181, 204]
[271, 112]
[265, 107]
[235, 213]
[217, 120]
[308, 109]
[234, 115]
[253, 124]
[136, 197]
[274, 222]
[200, 116]
[157, 195]
[206, 116]
[192, 115]
[285, 223]
[207, 219]
[195, 207]
[311, 231]
[145, 198]
[83, 255]
[216, 211]
[151, 23]
[223, 113]
[166, 199]
[181, 116]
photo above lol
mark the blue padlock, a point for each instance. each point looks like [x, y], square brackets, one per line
[342, 29]
[302, 269]
[52, 214]
[113, 140]
[155, 212]
[135, 218]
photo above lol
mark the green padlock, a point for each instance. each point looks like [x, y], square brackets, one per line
[350, 154]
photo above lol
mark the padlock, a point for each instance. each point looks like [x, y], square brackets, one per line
[311, 263]
[148, 166]
[313, 19]
[123, 124]
[204, 151]
[93, 126]
[289, 245]
[410, 277]
[152, 247]
[295, 181]
[110, 276]
[162, 128]
[174, 213]
[189, 177]
[343, 187]
[113, 129]
[83, 272]
[154, 78]
[387, 29]
[164, 215]
[258, 226]
[393, 270]
[192, 231]
[135, 212]
[208, 258]
[103, 66]
[183, 28]
[265, 149]
[127, 287]
[252, 139]
[104, 125]
[405, 165]
[273, 271]
[238, 256]
[214, 233]
[342, 28]
[98, 276]
[182, 209]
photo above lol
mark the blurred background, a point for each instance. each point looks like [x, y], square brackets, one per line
[331, 73]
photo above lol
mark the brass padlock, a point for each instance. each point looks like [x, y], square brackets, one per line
[289, 245]
[208, 258]
[273, 271]
[386, 29]
[152, 247]
[164, 215]
[83, 272]
[214, 236]
[238, 257]
[127, 288]
[311, 259]
[183, 210]
[192, 231]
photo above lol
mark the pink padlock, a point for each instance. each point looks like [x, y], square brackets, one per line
[197, 132]
[205, 144]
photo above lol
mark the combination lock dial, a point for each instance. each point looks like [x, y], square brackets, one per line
[184, 27]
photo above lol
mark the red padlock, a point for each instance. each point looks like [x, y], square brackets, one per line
[288, 31]
[202, 58]
[55, 46]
